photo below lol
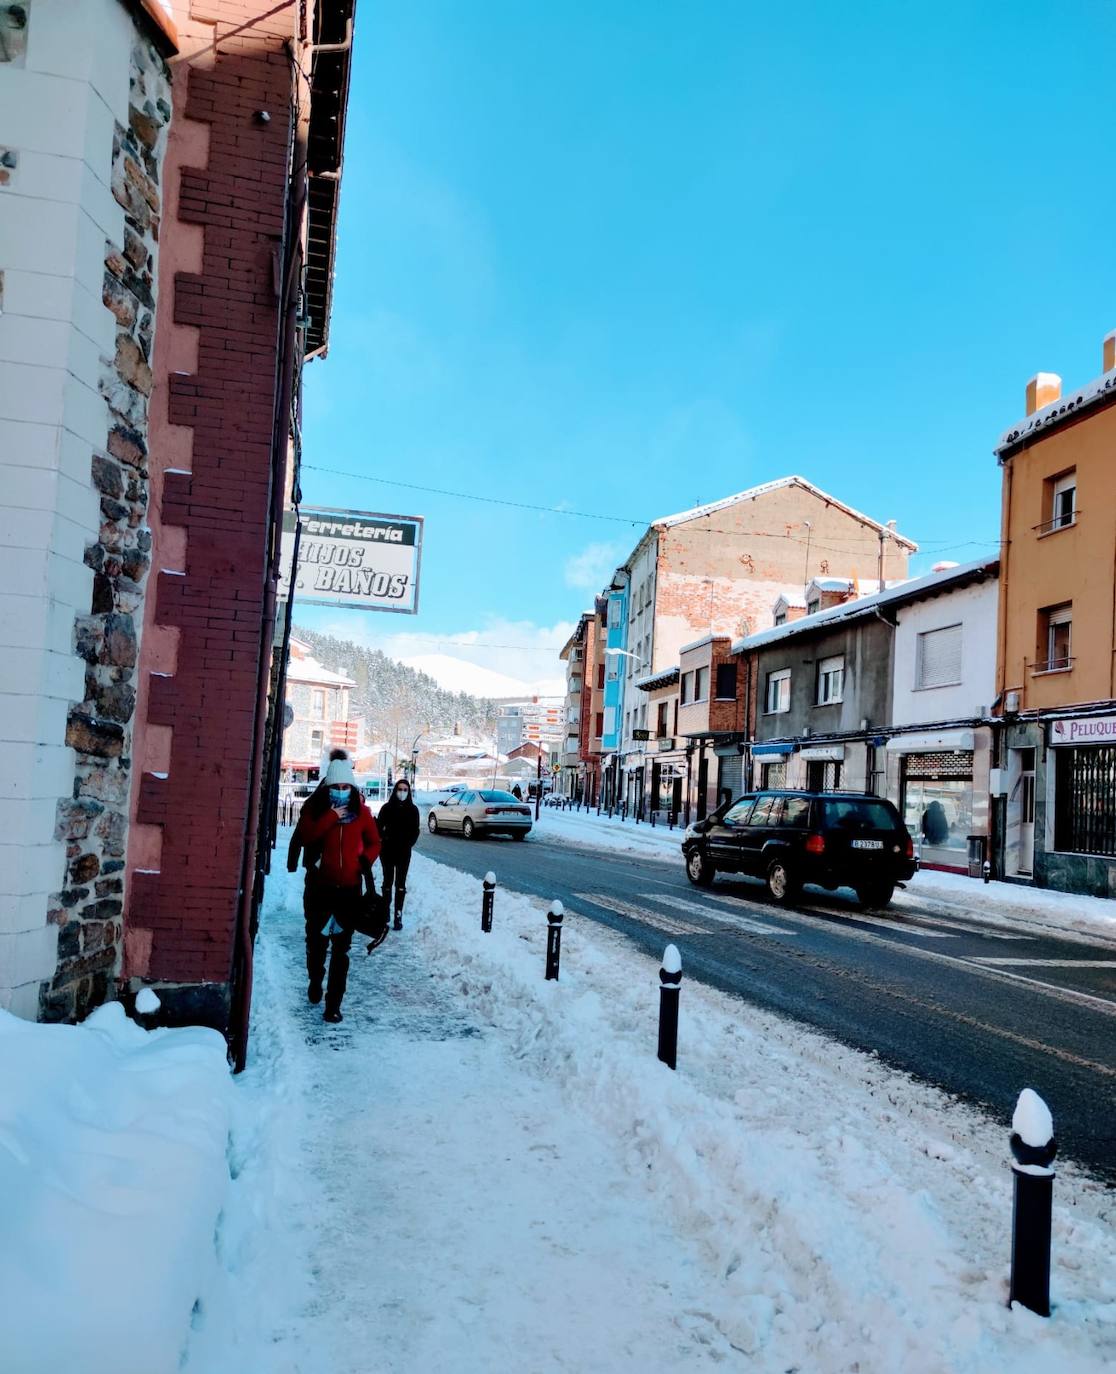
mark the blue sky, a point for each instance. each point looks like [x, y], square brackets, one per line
[623, 257]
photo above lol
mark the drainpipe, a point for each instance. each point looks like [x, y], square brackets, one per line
[288, 340]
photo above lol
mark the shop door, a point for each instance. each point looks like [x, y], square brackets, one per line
[703, 788]
[1021, 815]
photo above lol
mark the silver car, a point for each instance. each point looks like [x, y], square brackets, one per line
[481, 813]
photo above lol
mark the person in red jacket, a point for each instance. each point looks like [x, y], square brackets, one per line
[338, 830]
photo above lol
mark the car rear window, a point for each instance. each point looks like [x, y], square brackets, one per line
[499, 797]
[856, 813]
[796, 812]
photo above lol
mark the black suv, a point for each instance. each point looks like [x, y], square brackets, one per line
[833, 839]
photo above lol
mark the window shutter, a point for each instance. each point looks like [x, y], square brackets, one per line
[939, 657]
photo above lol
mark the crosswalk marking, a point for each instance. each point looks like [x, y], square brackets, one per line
[1045, 963]
[671, 924]
[717, 913]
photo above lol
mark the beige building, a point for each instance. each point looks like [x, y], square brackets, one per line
[719, 569]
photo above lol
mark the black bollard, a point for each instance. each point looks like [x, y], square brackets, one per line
[553, 940]
[670, 820]
[1034, 1147]
[986, 869]
[487, 901]
[670, 984]
[653, 815]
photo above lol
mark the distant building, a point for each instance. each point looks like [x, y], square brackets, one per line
[539, 720]
[320, 702]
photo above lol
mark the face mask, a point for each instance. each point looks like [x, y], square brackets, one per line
[401, 794]
[338, 796]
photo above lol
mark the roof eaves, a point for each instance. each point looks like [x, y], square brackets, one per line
[1099, 392]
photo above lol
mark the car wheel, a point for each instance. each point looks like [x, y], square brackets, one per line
[782, 885]
[432, 823]
[699, 870]
[876, 894]
[467, 828]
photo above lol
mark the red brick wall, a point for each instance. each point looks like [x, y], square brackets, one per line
[181, 912]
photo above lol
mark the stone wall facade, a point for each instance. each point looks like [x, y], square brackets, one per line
[93, 823]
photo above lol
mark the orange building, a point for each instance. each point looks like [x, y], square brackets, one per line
[1056, 661]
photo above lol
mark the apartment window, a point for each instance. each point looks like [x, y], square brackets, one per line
[726, 681]
[938, 657]
[599, 731]
[661, 723]
[317, 704]
[701, 684]
[781, 618]
[685, 688]
[600, 675]
[610, 720]
[777, 698]
[614, 613]
[812, 607]
[675, 730]
[317, 744]
[1055, 638]
[831, 680]
[1059, 502]
[774, 775]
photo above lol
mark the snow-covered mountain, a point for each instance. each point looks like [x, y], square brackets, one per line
[457, 675]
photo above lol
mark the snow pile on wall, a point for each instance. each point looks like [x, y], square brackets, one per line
[113, 1174]
[857, 1218]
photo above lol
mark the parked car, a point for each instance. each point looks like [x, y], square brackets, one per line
[481, 813]
[833, 839]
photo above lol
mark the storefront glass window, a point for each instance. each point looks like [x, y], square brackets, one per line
[1085, 807]
[939, 813]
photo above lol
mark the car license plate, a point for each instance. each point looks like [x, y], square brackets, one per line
[867, 844]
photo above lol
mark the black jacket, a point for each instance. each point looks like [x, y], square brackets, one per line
[399, 824]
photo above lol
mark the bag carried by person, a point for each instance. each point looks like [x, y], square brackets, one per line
[372, 918]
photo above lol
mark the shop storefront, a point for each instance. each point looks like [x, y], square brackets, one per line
[1083, 753]
[941, 789]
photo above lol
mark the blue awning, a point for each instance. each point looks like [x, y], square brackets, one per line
[760, 751]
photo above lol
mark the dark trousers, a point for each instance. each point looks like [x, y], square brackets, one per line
[395, 868]
[320, 903]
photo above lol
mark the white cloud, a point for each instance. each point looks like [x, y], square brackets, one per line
[590, 569]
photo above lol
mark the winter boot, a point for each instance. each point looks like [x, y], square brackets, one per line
[333, 1016]
[400, 898]
[314, 992]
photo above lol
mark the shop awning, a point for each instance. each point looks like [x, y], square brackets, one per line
[932, 742]
[772, 751]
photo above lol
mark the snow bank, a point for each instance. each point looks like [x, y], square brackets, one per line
[851, 1217]
[113, 1174]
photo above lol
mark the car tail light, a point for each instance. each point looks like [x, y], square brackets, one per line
[815, 844]
[908, 848]
[491, 810]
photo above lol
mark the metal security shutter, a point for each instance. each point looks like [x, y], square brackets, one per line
[955, 764]
[939, 657]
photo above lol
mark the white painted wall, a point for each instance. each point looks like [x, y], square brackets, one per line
[58, 107]
[974, 608]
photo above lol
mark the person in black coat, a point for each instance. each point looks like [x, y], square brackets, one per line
[399, 831]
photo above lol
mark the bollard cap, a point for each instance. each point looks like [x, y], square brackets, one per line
[490, 879]
[1032, 1141]
[556, 909]
[672, 960]
[147, 1002]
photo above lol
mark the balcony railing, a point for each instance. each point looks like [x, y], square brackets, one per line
[1058, 522]
[1052, 665]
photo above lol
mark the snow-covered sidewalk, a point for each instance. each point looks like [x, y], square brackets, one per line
[997, 903]
[481, 1171]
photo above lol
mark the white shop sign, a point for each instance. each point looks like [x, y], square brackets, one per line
[358, 559]
[1081, 730]
[829, 753]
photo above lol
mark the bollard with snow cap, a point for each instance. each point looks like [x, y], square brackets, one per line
[1034, 1147]
[553, 940]
[147, 1006]
[487, 901]
[670, 986]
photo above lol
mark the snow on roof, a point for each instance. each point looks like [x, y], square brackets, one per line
[1097, 392]
[866, 605]
[308, 669]
[663, 678]
[699, 512]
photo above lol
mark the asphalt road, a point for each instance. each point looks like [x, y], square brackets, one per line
[980, 1012]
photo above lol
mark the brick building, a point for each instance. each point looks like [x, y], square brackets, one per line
[193, 279]
[718, 570]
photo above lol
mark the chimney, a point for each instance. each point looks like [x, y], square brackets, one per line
[1042, 389]
[1109, 352]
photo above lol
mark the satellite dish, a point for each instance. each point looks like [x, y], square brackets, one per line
[288, 715]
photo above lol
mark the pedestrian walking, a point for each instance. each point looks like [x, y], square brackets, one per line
[399, 831]
[340, 842]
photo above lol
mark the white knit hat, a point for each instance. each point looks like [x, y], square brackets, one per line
[340, 770]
